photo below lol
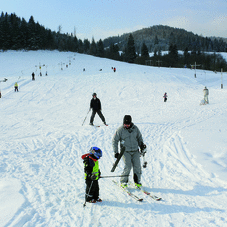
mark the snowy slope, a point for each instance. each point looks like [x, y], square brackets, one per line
[42, 140]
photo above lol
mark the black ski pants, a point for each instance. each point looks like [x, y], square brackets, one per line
[94, 189]
[100, 115]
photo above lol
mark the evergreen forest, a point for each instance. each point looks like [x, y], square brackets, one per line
[161, 46]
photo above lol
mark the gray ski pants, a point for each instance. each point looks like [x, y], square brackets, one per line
[131, 159]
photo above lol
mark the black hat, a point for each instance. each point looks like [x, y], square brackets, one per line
[94, 94]
[127, 119]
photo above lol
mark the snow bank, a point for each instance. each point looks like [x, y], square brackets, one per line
[11, 200]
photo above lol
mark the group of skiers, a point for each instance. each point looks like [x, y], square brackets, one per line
[204, 101]
[130, 138]
[16, 84]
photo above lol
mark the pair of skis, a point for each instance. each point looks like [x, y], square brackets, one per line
[97, 126]
[139, 188]
[154, 197]
[128, 192]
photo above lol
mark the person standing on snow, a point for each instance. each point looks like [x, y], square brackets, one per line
[16, 86]
[92, 174]
[33, 76]
[130, 138]
[206, 93]
[165, 97]
[95, 105]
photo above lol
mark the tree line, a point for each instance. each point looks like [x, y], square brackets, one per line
[17, 34]
[159, 38]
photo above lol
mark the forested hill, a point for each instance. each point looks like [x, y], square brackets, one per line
[160, 37]
[16, 33]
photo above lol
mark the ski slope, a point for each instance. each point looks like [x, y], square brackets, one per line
[42, 140]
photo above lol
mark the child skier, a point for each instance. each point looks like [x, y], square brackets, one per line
[92, 174]
[16, 86]
[165, 97]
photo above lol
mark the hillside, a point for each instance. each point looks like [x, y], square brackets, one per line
[42, 140]
[160, 37]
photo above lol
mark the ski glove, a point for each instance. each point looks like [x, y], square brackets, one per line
[93, 177]
[116, 155]
[144, 164]
[143, 149]
[143, 146]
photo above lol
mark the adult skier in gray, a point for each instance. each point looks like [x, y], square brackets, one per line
[206, 93]
[131, 139]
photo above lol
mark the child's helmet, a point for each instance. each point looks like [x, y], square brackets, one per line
[96, 152]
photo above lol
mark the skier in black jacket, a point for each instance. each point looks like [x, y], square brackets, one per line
[95, 105]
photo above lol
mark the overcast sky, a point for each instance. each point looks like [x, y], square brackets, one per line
[103, 18]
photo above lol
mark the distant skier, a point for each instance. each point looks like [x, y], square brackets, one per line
[206, 93]
[114, 69]
[92, 174]
[131, 138]
[33, 76]
[165, 97]
[16, 87]
[95, 105]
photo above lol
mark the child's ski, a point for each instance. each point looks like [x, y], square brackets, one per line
[128, 192]
[146, 192]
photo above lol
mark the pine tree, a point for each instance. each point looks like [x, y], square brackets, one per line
[93, 48]
[144, 51]
[32, 39]
[100, 49]
[5, 33]
[186, 56]
[173, 54]
[86, 46]
[131, 51]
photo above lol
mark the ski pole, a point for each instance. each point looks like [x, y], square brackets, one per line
[144, 162]
[114, 176]
[87, 194]
[142, 153]
[86, 117]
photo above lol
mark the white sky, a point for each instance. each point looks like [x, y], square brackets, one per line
[103, 18]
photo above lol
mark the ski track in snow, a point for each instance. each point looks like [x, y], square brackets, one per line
[43, 140]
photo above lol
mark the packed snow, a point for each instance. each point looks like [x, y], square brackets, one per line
[42, 140]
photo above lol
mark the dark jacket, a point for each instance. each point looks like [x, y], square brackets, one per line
[95, 104]
[91, 166]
